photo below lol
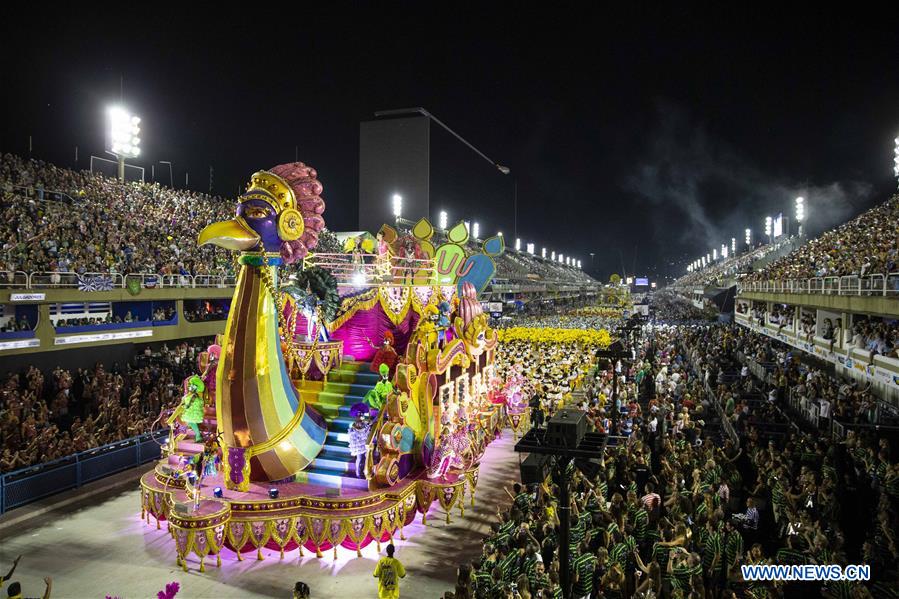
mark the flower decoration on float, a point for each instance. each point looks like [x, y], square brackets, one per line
[592, 338]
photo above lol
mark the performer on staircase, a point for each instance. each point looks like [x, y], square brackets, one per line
[358, 433]
[377, 396]
[192, 406]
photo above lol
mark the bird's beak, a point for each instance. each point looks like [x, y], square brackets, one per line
[232, 234]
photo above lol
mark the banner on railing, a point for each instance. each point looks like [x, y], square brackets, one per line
[94, 283]
[871, 371]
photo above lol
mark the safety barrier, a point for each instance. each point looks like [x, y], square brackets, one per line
[884, 285]
[68, 280]
[21, 487]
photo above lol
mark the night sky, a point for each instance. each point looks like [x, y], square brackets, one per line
[646, 140]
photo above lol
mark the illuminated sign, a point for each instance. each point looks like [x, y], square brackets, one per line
[26, 297]
[73, 339]
[641, 282]
[21, 343]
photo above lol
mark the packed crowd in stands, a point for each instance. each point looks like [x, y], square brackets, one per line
[50, 415]
[710, 474]
[113, 227]
[878, 336]
[159, 315]
[720, 273]
[47, 213]
[13, 324]
[218, 313]
[866, 245]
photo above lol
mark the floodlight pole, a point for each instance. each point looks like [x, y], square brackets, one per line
[558, 475]
[503, 169]
[592, 446]
[121, 167]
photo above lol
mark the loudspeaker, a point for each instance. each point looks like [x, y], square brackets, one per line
[590, 467]
[534, 469]
[566, 429]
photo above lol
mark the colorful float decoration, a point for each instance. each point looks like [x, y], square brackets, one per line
[350, 390]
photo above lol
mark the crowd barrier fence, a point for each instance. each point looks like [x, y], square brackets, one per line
[23, 486]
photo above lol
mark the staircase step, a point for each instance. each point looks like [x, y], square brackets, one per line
[335, 437]
[338, 399]
[331, 478]
[338, 463]
[347, 388]
[337, 448]
[340, 424]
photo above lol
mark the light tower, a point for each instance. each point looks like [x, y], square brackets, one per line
[896, 160]
[124, 136]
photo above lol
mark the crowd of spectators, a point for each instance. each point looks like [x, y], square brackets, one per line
[12, 324]
[159, 315]
[205, 315]
[49, 415]
[867, 244]
[725, 270]
[678, 506]
[111, 227]
[521, 266]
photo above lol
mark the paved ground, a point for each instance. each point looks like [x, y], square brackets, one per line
[101, 547]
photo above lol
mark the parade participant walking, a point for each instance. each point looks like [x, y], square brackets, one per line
[388, 572]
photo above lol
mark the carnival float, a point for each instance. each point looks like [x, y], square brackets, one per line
[349, 392]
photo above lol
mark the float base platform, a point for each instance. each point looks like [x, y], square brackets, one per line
[304, 515]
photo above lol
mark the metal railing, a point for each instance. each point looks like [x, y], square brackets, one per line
[21, 487]
[70, 280]
[875, 285]
[366, 270]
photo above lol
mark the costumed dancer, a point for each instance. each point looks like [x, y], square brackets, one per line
[443, 321]
[383, 259]
[310, 306]
[192, 413]
[377, 397]
[410, 261]
[385, 354]
[212, 359]
[359, 433]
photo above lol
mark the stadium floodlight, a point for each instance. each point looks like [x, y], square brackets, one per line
[703, 262]
[896, 159]
[768, 223]
[553, 256]
[543, 253]
[723, 250]
[124, 136]
[579, 264]
[714, 253]
[800, 212]
[475, 229]
[733, 245]
[530, 248]
[443, 219]
[397, 205]
[517, 244]
[748, 236]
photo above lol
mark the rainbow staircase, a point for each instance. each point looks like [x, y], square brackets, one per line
[335, 467]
